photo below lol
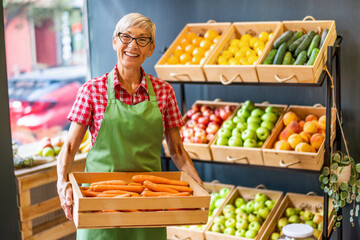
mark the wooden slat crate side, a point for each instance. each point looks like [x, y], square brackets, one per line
[39, 209]
[59, 231]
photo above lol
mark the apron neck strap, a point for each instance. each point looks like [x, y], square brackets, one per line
[111, 93]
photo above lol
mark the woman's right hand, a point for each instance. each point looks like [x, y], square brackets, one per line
[66, 199]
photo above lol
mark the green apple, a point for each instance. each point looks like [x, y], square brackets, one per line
[260, 143]
[257, 112]
[230, 223]
[239, 211]
[289, 211]
[228, 208]
[236, 132]
[48, 152]
[253, 126]
[242, 224]
[311, 223]
[239, 202]
[294, 219]
[307, 215]
[267, 124]
[238, 119]
[214, 212]
[219, 202]
[263, 212]
[253, 119]
[229, 231]
[241, 216]
[272, 109]
[217, 227]
[248, 105]
[251, 233]
[320, 226]
[243, 113]
[235, 141]
[229, 124]
[254, 226]
[253, 218]
[220, 219]
[251, 143]
[229, 215]
[262, 133]
[224, 132]
[224, 192]
[270, 204]
[240, 233]
[242, 126]
[260, 197]
[222, 141]
[282, 222]
[57, 150]
[269, 116]
[275, 236]
[248, 134]
[258, 205]
[249, 207]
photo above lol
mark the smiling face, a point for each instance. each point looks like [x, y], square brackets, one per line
[132, 55]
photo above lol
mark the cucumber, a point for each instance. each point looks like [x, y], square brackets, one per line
[301, 58]
[314, 44]
[287, 58]
[305, 44]
[296, 36]
[280, 54]
[323, 37]
[283, 38]
[313, 56]
[295, 44]
[270, 57]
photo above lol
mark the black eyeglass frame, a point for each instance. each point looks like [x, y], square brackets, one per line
[133, 38]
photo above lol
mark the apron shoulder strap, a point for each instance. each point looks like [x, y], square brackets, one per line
[110, 87]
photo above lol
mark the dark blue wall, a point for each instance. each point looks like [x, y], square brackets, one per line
[171, 16]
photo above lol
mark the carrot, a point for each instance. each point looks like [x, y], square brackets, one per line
[157, 188]
[158, 180]
[115, 192]
[149, 193]
[134, 184]
[84, 188]
[89, 193]
[110, 211]
[101, 188]
[108, 182]
[113, 195]
[178, 188]
[180, 194]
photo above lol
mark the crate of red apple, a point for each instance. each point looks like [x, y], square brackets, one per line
[202, 122]
[298, 141]
[241, 138]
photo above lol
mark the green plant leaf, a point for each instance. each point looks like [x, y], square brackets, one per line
[326, 189]
[342, 204]
[336, 157]
[333, 178]
[325, 180]
[339, 218]
[343, 195]
[346, 160]
[335, 187]
[358, 167]
[326, 171]
[344, 186]
[334, 166]
[337, 224]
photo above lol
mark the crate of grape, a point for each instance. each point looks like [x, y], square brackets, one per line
[239, 51]
[184, 59]
[202, 122]
[299, 139]
[298, 208]
[219, 194]
[242, 137]
[137, 199]
[299, 52]
[245, 215]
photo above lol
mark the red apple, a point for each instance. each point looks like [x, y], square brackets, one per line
[204, 120]
[217, 112]
[188, 132]
[190, 113]
[229, 109]
[189, 139]
[204, 107]
[196, 108]
[199, 132]
[196, 116]
[207, 112]
[199, 126]
[210, 137]
[191, 123]
[212, 128]
[214, 118]
[223, 114]
[200, 137]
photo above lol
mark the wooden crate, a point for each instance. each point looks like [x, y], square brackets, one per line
[40, 182]
[244, 154]
[227, 74]
[292, 159]
[198, 150]
[195, 234]
[298, 74]
[187, 72]
[295, 200]
[162, 211]
[247, 194]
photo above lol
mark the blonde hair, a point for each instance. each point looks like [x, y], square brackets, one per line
[136, 20]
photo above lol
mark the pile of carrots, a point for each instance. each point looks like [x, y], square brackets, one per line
[141, 186]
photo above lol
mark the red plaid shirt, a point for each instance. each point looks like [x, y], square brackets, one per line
[91, 101]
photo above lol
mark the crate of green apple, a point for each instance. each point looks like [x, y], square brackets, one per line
[240, 138]
[298, 208]
[48, 149]
[202, 122]
[299, 52]
[298, 140]
[219, 193]
[245, 215]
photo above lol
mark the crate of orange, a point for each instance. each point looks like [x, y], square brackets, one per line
[239, 51]
[186, 56]
[137, 199]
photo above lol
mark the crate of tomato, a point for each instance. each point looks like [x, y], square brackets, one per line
[202, 122]
[299, 52]
[137, 199]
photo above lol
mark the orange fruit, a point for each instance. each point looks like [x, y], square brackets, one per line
[189, 48]
[199, 51]
[196, 41]
[185, 57]
[243, 44]
[259, 45]
[234, 61]
[252, 41]
[235, 42]
[184, 43]
[227, 54]
[246, 37]
[177, 52]
[196, 59]
[211, 34]
[240, 54]
[233, 49]
[252, 59]
[172, 60]
[264, 36]
[222, 60]
[216, 39]
[190, 36]
[205, 44]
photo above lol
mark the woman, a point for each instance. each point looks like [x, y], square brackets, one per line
[127, 112]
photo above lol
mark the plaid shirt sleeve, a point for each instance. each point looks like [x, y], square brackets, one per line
[81, 111]
[173, 116]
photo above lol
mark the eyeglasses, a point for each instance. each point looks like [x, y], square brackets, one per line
[141, 41]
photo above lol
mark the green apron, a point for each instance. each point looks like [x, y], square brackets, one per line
[129, 139]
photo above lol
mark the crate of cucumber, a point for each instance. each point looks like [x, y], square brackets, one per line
[299, 52]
